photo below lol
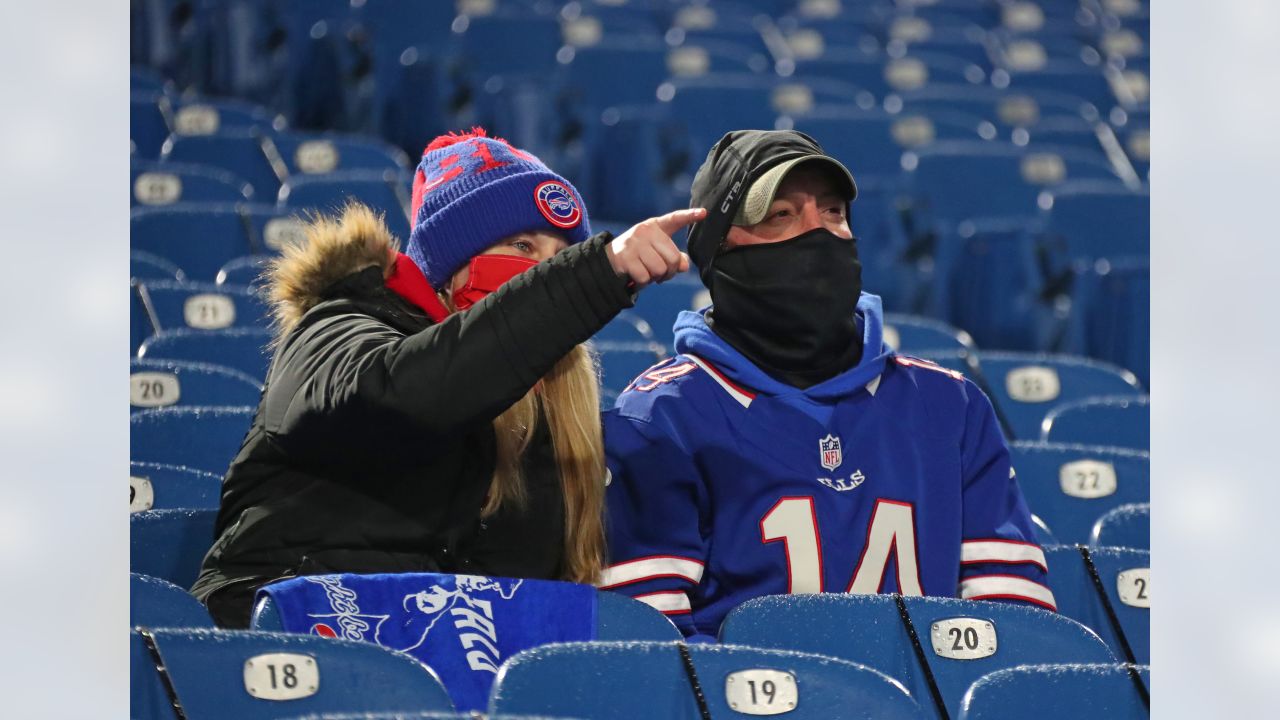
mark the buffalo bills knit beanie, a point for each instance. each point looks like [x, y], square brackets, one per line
[471, 190]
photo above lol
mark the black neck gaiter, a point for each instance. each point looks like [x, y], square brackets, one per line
[789, 306]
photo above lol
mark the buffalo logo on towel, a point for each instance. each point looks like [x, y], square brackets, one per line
[469, 604]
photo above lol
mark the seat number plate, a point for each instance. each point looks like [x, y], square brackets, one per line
[964, 638]
[761, 692]
[281, 676]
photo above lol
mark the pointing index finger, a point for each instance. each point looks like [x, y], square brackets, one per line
[677, 219]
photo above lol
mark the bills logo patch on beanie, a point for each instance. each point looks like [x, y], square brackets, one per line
[557, 204]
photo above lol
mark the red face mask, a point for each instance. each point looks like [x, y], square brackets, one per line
[488, 273]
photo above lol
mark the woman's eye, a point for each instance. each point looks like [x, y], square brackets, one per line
[523, 246]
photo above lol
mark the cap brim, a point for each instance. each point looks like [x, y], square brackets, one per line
[755, 206]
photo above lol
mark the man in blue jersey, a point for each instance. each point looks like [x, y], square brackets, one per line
[785, 448]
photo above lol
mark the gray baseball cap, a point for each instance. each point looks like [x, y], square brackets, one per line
[755, 206]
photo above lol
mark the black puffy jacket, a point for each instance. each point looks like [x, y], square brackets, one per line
[373, 448]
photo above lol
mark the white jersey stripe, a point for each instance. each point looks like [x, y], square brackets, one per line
[996, 551]
[647, 568]
[1006, 586]
[671, 602]
[743, 399]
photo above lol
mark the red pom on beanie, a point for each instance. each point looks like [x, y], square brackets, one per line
[453, 138]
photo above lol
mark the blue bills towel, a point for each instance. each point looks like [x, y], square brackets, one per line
[462, 626]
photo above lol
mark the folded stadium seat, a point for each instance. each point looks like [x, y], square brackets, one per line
[883, 75]
[248, 154]
[209, 116]
[205, 438]
[509, 41]
[986, 278]
[244, 271]
[911, 334]
[1111, 314]
[618, 617]
[979, 12]
[1058, 692]
[1028, 385]
[633, 156]
[419, 96]
[940, 177]
[244, 349]
[955, 36]
[156, 486]
[1123, 582]
[626, 71]
[1061, 76]
[627, 348]
[395, 25]
[619, 680]
[159, 184]
[140, 327]
[148, 127]
[962, 640]
[815, 26]
[149, 266]
[324, 62]
[386, 191]
[700, 53]
[271, 228]
[202, 306]
[888, 267]
[659, 304]
[170, 544]
[1063, 131]
[729, 21]
[259, 675]
[1008, 110]
[588, 23]
[198, 238]
[159, 603]
[1115, 420]
[1069, 486]
[165, 383]
[322, 153]
[1087, 220]
[871, 142]
[1125, 526]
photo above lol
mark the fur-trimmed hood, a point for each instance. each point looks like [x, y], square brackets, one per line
[334, 248]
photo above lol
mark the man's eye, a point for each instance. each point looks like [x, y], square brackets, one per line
[780, 214]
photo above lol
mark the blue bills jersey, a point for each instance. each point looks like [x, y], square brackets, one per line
[726, 484]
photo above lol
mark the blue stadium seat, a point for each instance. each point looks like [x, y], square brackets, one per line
[170, 544]
[396, 25]
[205, 438]
[244, 271]
[1117, 420]
[246, 674]
[1068, 77]
[962, 639]
[271, 228]
[1125, 577]
[1027, 385]
[622, 72]
[154, 183]
[618, 617]
[881, 75]
[659, 304]
[148, 127]
[323, 153]
[1006, 109]
[871, 142]
[940, 175]
[159, 603]
[202, 306]
[197, 238]
[710, 105]
[627, 348]
[590, 23]
[508, 43]
[1069, 486]
[240, 152]
[164, 383]
[143, 79]
[1134, 134]
[243, 349]
[986, 279]
[209, 116]
[911, 334]
[1057, 692]
[156, 486]
[384, 191]
[1111, 314]
[621, 680]
[1097, 220]
[632, 157]
[148, 266]
[1064, 131]
[1125, 526]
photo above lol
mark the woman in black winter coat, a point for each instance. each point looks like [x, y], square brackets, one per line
[434, 410]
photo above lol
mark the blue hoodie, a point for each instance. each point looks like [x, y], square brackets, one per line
[726, 484]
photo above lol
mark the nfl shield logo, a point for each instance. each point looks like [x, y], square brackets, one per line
[829, 448]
